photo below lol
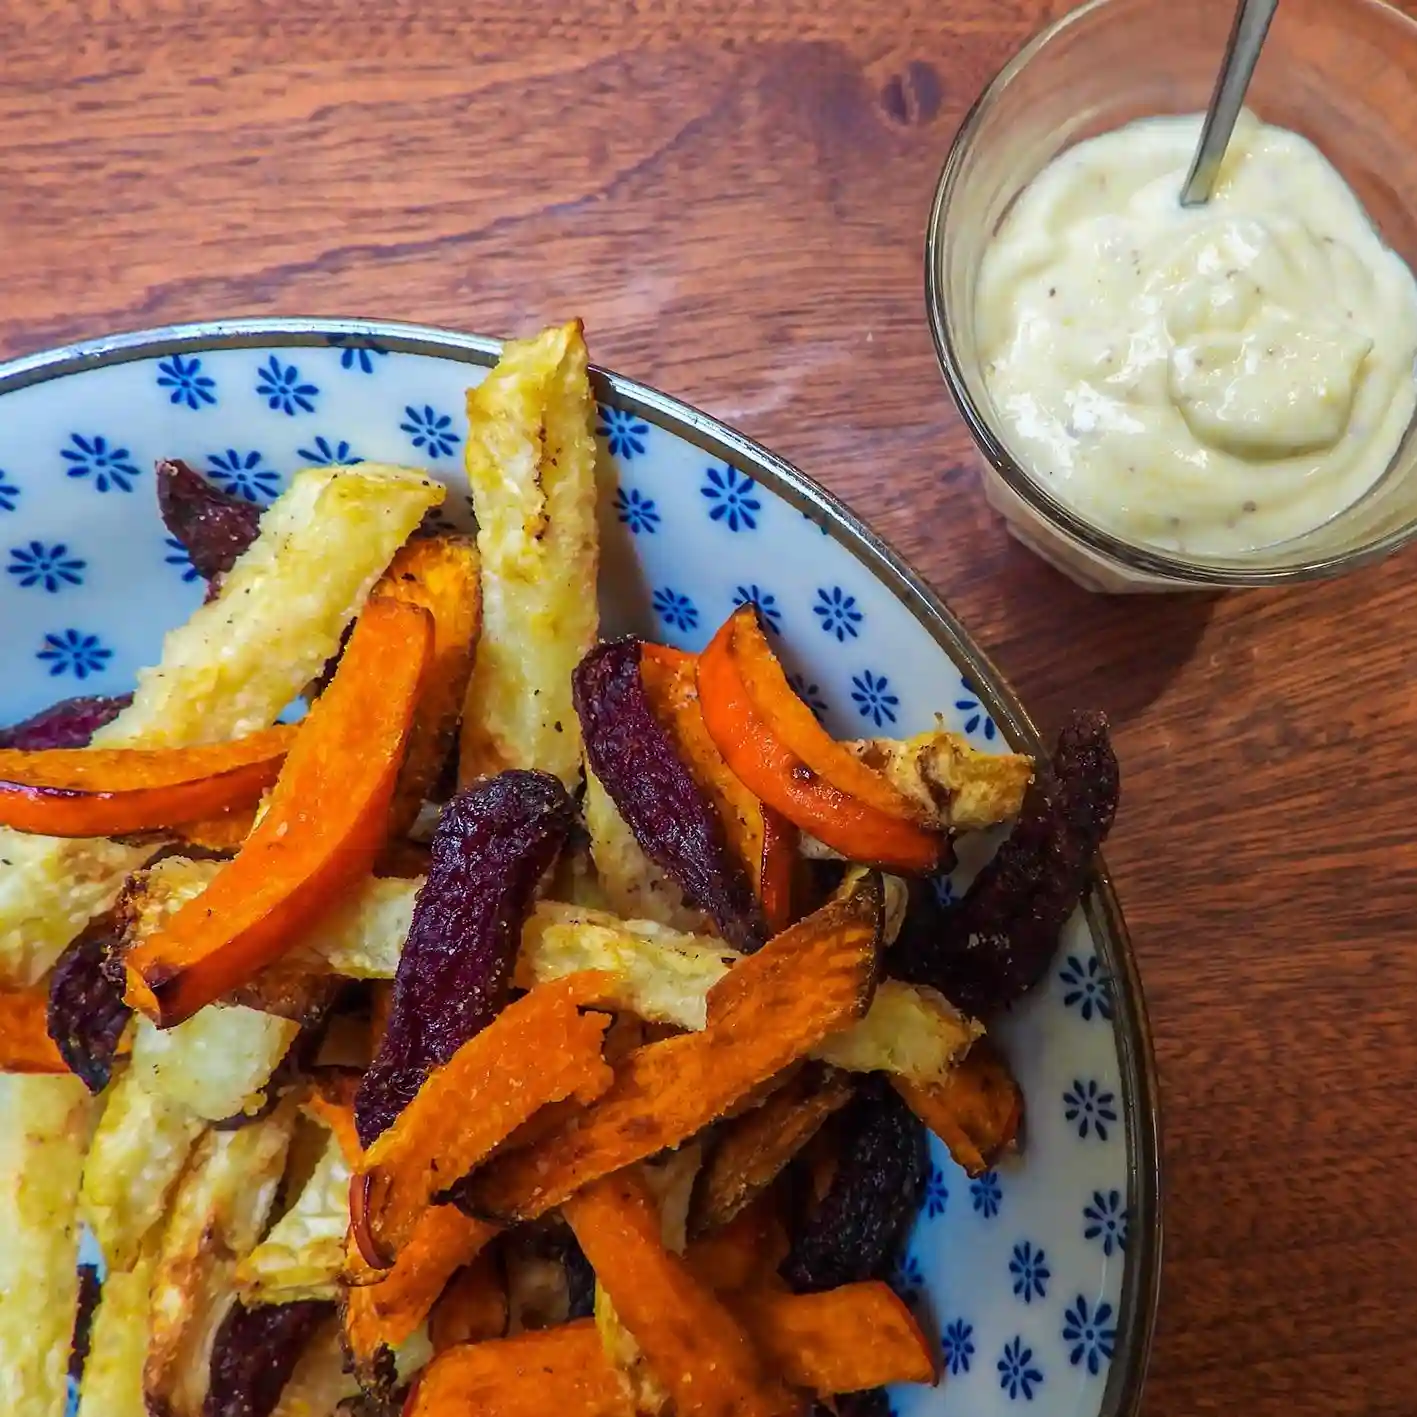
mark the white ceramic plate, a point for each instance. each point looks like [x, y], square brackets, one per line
[1039, 1280]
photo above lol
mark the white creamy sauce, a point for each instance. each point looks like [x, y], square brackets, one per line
[1211, 380]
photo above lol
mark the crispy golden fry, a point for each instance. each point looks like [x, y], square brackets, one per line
[118, 1345]
[229, 670]
[44, 1127]
[531, 459]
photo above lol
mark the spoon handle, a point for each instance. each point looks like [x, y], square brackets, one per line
[1247, 34]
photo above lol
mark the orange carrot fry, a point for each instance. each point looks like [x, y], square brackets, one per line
[695, 1347]
[976, 1110]
[473, 1308]
[223, 833]
[540, 1049]
[25, 1044]
[109, 791]
[326, 821]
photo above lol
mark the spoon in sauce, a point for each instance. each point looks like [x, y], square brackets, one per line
[1247, 36]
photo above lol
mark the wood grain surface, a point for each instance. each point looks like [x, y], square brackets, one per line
[733, 195]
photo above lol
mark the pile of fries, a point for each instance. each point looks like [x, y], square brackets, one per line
[520, 1032]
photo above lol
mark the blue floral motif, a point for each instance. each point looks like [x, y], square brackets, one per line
[809, 693]
[987, 1193]
[1089, 1108]
[355, 352]
[937, 1193]
[97, 458]
[624, 433]
[838, 613]
[957, 1346]
[675, 610]
[185, 378]
[1105, 1220]
[242, 475]
[49, 566]
[279, 384]
[976, 715]
[430, 430]
[945, 892]
[766, 602]
[1029, 1268]
[1017, 1375]
[9, 494]
[327, 453]
[1088, 986]
[873, 699]
[730, 496]
[73, 652]
[909, 1279]
[178, 556]
[1090, 1336]
[636, 511]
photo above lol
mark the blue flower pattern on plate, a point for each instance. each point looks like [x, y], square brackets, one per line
[909, 1279]
[636, 511]
[1089, 1107]
[937, 1193]
[329, 453]
[957, 1346]
[809, 693]
[73, 652]
[49, 566]
[1017, 1375]
[1089, 1334]
[357, 353]
[945, 892]
[1028, 1267]
[242, 475]
[94, 456]
[1105, 1220]
[677, 611]
[838, 613]
[766, 602]
[1089, 990]
[730, 497]
[873, 698]
[177, 555]
[987, 1194]
[976, 716]
[9, 494]
[429, 430]
[190, 387]
[625, 434]
[281, 387]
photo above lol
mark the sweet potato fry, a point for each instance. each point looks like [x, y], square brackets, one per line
[745, 1253]
[976, 1110]
[539, 1049]
[326, 822]
[439, 573]
[694, 1345]
[559, 1370]
[473, 1308]
[88, 792]
[25, 1044]
[764, 1014]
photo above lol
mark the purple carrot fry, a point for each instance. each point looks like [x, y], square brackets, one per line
[254, 1353]
[213, 526]
[493, 844]
[676, 826]
[70, 723]
[87, 1014]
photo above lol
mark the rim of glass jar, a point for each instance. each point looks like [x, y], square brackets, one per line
[1133, 556]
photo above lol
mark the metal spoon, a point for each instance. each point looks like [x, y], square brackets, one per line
[1247, 34]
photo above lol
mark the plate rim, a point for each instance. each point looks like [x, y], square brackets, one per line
[1141, 1275]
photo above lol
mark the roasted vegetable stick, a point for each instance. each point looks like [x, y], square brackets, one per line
[44, 1126]
[975, 1110]
[85, 1012]
[109, 791]
[214, 527]
[473, 1308]
[694, 1346]
[766, 1013]
[327, 819]
[540, 1049]
[25, 1044]
[746, 1252]
[440, 573]
[531, 459]
[112, 1384]
[319, 1383]
[255, 1352]
[70, 723]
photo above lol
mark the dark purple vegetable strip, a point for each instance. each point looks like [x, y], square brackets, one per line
[856, 1229]
[995, 945]
[674, 823]
[90, 1289]
[492, 846]
[87, 1014]
[255, 1352]
[214, 526]
[871, 1403]
[68, 724]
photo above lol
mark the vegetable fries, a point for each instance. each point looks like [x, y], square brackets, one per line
[725, 1014]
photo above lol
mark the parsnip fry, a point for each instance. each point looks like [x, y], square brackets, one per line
[112, 1384]
[319, 1383]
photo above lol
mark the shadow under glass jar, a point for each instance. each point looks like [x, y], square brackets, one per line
[1338, 72]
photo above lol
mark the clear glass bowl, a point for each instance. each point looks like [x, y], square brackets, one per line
[1338, 71]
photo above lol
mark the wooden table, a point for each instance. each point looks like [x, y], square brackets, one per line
[733, 195]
